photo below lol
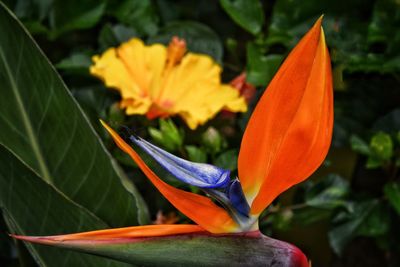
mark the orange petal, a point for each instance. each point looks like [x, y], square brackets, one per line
[290, 130]
[198, 208]
[116, 235]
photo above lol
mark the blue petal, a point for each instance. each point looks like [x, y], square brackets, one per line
[237, 198]
[197, 174]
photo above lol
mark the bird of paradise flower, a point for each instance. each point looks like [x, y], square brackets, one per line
[286, 139]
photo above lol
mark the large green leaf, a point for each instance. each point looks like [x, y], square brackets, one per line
[46, 129]
[31, 206]
[247, 13]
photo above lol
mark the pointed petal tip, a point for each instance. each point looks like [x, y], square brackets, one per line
[317, 27]
[262, 162]
[322, 37]
[104, 124]
[15, 236]
[318, 23]
[116, 235]
[34, 239]
[198, 174]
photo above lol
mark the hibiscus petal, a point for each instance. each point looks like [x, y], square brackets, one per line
[197, 174]
[195, 88]
[199, 208]
[290, 130]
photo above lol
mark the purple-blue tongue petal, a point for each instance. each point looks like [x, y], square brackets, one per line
[198, 174]
[237, 198]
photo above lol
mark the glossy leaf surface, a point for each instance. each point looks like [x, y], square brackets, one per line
[46, 129]
[247, 13]
[24, 196]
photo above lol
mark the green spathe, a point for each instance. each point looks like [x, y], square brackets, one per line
[200, 249]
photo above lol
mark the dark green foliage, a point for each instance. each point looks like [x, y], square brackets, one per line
[246, 13]
[349, 208]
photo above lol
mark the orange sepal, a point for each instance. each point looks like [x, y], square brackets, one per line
[198, 208]
[290, 130]
[126, 234]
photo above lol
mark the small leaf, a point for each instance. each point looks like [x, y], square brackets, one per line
[329, 193]
[283, 219]
[171, 132]
[227, 160]
[212, 140]
[309, 215]
[139, 14]
[114, 35]
[115, 113]
[377, 223]
[347, 223]
[373, 163]
[77, 63]
[389, 123]
[260, 68]
[246, 13]
[169, 136]
[196, 154]
[199, 37]
[383, 28]
[381, 146]
[158, 137]
[75, 14]
[359, 145]
[392, 193]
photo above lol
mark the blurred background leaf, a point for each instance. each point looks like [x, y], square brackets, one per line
[139, 14]
[73, 15]
[246, 13]
[199, 37]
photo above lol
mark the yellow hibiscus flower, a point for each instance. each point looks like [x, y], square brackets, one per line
[162, 81]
